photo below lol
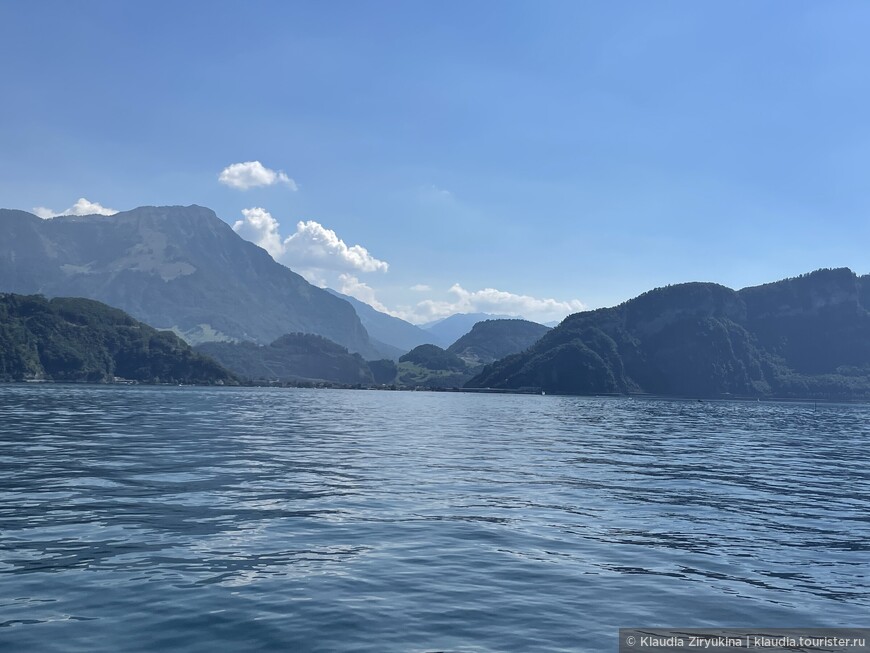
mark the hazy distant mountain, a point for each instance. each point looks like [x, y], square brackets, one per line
[292, 357]
[383, 328]
[802, 337]
[449, 329]
[491, 340]
[172, 267]
[67, 339]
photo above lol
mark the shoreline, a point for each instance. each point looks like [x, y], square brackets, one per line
[325, 385]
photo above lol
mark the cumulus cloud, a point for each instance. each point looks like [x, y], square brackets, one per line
[253, 174]
[323, 258]
[490, 300]
[260, 228]
[312, 250]
[350, 285]
[81, 207]
[313, 245]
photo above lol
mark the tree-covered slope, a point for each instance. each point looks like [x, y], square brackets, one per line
[803, 337]
[173, 267]
[429, 366]
[292, 357]
[66, 339]
[491, 340]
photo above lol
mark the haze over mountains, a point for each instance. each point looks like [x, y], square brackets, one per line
[392, 331]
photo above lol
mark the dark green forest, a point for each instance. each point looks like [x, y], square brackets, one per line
[807, 337]
[491, 340]
[81, 340]
[292, 357]
[433, 357]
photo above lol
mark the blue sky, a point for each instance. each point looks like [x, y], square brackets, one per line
[574, 151]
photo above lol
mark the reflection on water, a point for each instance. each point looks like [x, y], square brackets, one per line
[190, 519]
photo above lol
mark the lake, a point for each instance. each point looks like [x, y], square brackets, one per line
[199, 519]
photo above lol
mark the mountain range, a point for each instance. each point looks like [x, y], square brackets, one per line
[430, 366]
[179, 268]
[182, 268]
[307, 357]
[803, 337]
[185, 270]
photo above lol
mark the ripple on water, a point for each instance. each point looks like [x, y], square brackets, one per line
[199, 519]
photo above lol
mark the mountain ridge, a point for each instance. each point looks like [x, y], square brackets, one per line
[491, 340]
[180, 268]
[808, 336]
[449, 329]
[81, 340]
[292, 357]
[387, 329]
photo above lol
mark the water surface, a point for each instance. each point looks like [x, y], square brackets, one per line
[192, 519]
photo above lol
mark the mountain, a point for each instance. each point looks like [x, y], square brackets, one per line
[491, 340]
[430, 366]
[66, 339]
[292, 357]
[392, 331]
[449, 329]
[807, 337]
[384, 371]
[174, 267]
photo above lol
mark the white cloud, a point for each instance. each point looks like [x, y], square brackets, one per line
[490, 300]
[81, 207]
[318, 254]
[252, 174]
[350, 285]
[315, 246]
[312, 250]
[260, 228]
